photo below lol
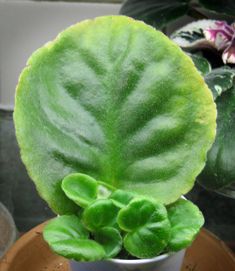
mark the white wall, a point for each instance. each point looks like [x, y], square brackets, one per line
[25, 26]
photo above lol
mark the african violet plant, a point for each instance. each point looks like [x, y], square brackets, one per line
[114, 123]
[160, 13]
[116, 218]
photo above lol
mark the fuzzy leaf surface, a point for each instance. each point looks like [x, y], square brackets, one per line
[117, 100]
[148, 228]
[186, 221]
[99, 214]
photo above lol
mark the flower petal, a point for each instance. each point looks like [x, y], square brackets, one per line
[228, 55]
[220, 35]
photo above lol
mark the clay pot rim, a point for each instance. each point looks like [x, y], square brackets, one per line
[31, 236]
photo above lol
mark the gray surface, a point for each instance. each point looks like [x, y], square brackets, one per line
[27, 25]
[17, 191]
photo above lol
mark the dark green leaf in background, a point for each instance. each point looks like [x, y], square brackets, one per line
[225, 7]
[220, 80]
[220, 167]
[157, 13]
[201, 64]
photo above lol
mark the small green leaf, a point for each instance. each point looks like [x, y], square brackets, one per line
[79, 249]
[121, 198]
[201, 63]
[186, 221]
[80, 188]
[135, 214]
[110, 239]
[67, 237]
[99, 214]
[155, 12]
[116, 100]
[148, 228]
[64, 227]
[220, 80]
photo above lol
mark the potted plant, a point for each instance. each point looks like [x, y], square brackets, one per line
[114, 123]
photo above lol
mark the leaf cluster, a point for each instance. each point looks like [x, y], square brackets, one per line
[160, 13]
[219, 170]
[116, 221]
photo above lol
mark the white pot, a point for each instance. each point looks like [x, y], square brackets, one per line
[165, 262]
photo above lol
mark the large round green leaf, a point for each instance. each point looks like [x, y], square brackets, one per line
[117, 100]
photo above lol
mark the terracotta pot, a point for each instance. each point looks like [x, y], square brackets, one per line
[31, 253]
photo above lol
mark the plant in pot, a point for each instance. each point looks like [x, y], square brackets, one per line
[114, 123]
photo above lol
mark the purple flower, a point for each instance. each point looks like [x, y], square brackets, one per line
[222, 36]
